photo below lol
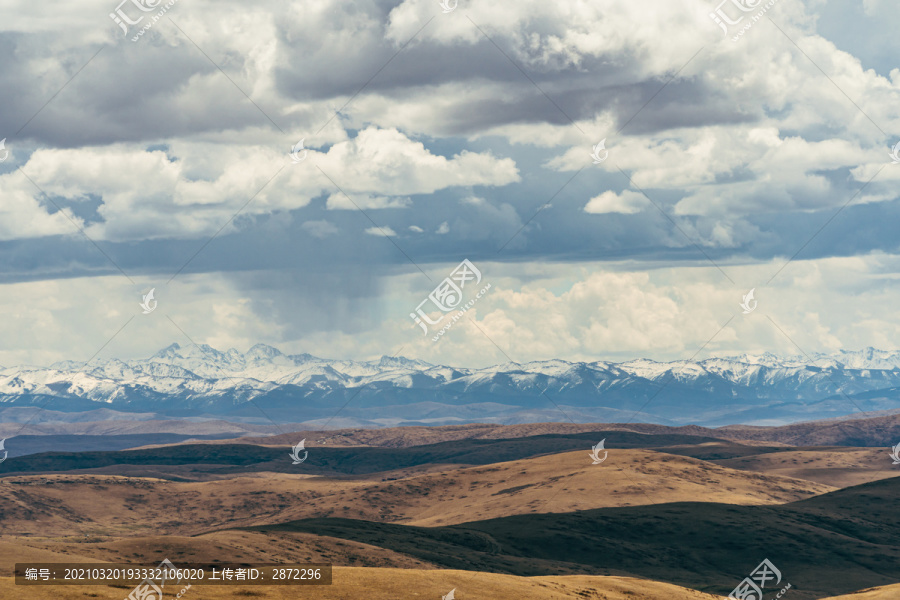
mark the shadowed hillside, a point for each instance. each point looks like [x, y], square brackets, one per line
[827, 545]
[227, 458]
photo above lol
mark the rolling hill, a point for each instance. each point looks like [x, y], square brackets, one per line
[523, 504]
[830, 544]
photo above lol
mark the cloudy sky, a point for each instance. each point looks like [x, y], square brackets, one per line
[752, 158]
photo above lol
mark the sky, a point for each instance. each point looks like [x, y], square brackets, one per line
[307, 174]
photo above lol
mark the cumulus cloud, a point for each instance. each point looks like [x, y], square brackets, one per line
[382, 231]
[389, 162]
[150, 194]
[341, 202]
[22, 216]
[597, 313]
[745, 146]
[626, 203]
[533, 312]
[74, 319]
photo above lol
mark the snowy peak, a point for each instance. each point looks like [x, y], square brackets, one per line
[168, 352]
[267, 363]
[202, 377]
[867, 358]
[261, 352]
[400, 362]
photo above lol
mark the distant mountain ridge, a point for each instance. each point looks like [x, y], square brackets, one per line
[752, 389]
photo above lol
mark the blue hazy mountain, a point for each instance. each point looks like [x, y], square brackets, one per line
[188, 381]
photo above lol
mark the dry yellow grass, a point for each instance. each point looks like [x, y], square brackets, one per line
[838, 467]
[113, 506]
[246, 546]
[355, 583]
[890, 592]
[568, 482]
[98, 518]
[390, 584]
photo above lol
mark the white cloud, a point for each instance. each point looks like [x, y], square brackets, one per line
[558, 35]
[626, 203]
[21, 216]
[591, 312]
[339, 201]
[197, 187]
[72, 319]
[532, 311]
[387, 162]
[382, 231]
[747, 129]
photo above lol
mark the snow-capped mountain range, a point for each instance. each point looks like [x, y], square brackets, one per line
[200, 380]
